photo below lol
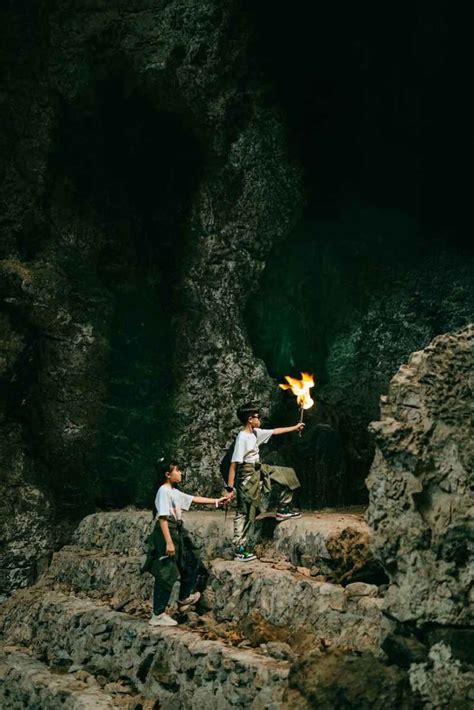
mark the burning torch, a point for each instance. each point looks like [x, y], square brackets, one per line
[300, 389]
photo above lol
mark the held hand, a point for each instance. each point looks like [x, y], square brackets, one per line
[222, 501]
[228, 498]
[170, 549]
[300, 426]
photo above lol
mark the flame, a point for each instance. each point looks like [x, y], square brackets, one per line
[301, 388]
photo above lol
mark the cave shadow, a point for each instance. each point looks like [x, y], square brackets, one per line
[135, 170]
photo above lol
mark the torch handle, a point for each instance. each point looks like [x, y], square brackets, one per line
[301, 419]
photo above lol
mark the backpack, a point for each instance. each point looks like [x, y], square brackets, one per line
[227, 460]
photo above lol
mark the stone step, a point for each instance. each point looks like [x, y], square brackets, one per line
[125, 532]
[304, 541]
[27, 684]
[96, 573]
[278, 604]
[292, 606]
[175, 666]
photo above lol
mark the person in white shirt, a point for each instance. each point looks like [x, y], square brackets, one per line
[171, 552]
[255, 484]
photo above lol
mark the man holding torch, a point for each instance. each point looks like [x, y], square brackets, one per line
[256, 484]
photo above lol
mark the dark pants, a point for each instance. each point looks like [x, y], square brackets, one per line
[188, 571]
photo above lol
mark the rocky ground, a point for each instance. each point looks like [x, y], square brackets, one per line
[79, 638]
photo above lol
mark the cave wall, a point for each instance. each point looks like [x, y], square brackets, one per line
[350, 298]
[421, 512]
[202, 96]
[190, 60]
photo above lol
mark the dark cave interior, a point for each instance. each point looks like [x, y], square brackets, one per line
[380, 263]
[135, 169]
[365, 102]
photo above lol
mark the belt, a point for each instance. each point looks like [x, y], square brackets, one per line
[257, 466]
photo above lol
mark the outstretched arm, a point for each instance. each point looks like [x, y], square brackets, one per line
[288, 429]
[208, 501]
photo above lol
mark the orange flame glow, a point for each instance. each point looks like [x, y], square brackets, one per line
[301, 389]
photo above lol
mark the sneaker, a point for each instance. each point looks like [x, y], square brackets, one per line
[189, 601]
[243, 556]
[162, 620]
[286, 514]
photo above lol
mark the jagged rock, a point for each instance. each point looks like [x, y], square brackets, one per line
[420, 506]
[65, 261]
[172, 665]
[279, 650]
[337, 680]
[359, 589]
[27, 683]
[304, 539]
[272, 604]
[421, 509]
[404, 650]
[442, 682]
[337, 545]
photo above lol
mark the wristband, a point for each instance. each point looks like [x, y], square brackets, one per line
[216, 503]
[230, 489]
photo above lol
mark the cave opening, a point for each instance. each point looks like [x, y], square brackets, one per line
[134, 169]
[381, 260]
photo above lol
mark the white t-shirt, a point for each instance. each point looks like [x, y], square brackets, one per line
[170, 502]
[246, 449]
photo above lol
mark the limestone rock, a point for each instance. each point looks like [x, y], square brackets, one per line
[442, 682]
[272, 604]
[339, 680]
[27, 683]
[169, 665]
[420, 506]
[421, 512]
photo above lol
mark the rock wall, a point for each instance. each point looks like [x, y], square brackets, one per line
[191, 62]
[421, 510]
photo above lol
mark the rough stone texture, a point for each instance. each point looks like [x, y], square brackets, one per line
[336, 680]
[420, 506]
[442, 682]
[294, 608]
[337, 543]
[25, 519]
[27, 683]
[108, 548]
[322, 539]
[260, 617]
[25, 509]
[421, 511]
[351, 299]
[191, 61]
[169, 665]
[269, 603]
[96, 574]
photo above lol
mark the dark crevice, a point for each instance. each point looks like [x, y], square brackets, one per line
[132, 172]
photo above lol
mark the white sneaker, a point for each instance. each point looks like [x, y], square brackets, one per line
[162, 620]
[189, 601]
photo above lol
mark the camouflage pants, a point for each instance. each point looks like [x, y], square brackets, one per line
[269, 487]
